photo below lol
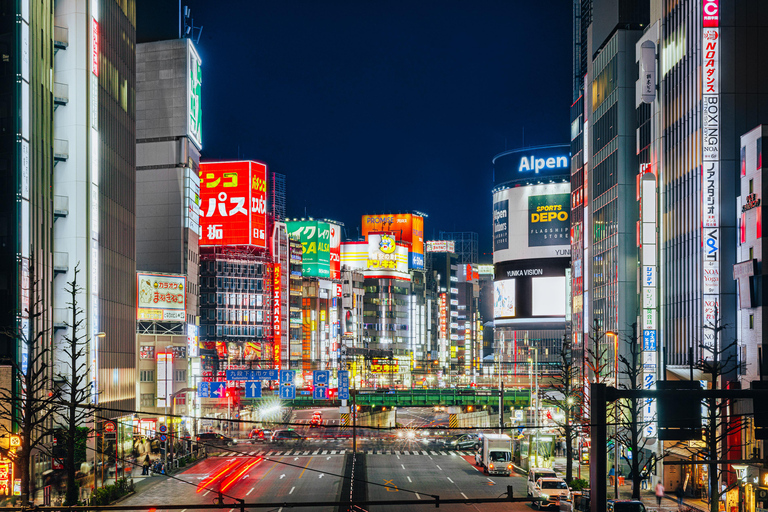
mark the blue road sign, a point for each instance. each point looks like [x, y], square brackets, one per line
[203, 390]
[320, 381]
[218, 389]
[163, 429]
[343, 384]
[253, 389]
[233, 375]
[163, 438]
[287, 391]
[287, 384]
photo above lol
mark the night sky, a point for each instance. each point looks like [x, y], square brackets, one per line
[374, 106]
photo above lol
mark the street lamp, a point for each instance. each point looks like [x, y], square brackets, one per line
[168, 395]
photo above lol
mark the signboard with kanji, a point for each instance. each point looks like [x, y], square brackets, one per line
[343, 384]
[161, 297]
[233, 203]
[245, 374]
[6, 477]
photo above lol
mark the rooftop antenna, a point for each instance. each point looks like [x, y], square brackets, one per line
[187, 26]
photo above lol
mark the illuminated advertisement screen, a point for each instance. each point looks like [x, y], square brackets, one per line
[504, 299]
[315, 238]
[530, 289]
[161, 297]
[531, 222]
[526, 164]
[233, 204]
[406, 227]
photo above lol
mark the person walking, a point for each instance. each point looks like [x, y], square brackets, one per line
[644, 479]
[679, 493]
[659, 493]
[145, 465]
[612, 474]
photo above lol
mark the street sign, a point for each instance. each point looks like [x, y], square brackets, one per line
[163, 429]
[109, 427]
[233, 375]
[203, 390]
[343, 384]
[163, 437]
[218, 389]
[253, 389]
[320, 380]
[287, 384]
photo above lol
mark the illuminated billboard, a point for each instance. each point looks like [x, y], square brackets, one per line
[441, 246]
[530, 289]
[161, 297]
[532, 222]
[406, 227]
[315, 238]
[335, 251]
[380, 257]
[233, 204]
[504, 299]
[194, 108]
[525, 165]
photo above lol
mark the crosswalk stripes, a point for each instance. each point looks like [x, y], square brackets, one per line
[296, 452]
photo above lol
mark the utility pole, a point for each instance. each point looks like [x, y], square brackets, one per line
[501, 408]
[354, 421]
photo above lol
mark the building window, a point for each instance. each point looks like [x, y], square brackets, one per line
[147, 375]
[181, 399]
[180, 375]
[147, 399]
[751, 186]
[751, 253]
[751, 321]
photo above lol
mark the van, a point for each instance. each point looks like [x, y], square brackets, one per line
[534, 474]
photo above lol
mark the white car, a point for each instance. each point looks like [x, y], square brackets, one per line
[552, 490]
[535, 473]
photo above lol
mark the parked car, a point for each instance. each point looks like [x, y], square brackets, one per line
[625, 506]
[287, 437]
[551, 491]
[214, 439]
[260, 435]
[535, 473]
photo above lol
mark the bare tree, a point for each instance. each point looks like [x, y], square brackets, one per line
[28, 402]
[75, 380]
[630, 418]
[566, 395]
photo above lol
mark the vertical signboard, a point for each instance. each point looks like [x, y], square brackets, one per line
[343, 384]
[648, 259]
[335, 252]
[710, 143]
[164, 378]
[93, 277]
[194, 82]
[320, 381]
[277, 322]
[233, 198]
[287, 384]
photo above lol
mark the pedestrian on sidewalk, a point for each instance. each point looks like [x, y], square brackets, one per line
[679, 493]
[644, 479]
[659, 493]
[612, 474]
[145, 465]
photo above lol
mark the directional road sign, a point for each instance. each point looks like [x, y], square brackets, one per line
[343, 384]
[252, 375]
[218, 389]
[287, 384]
[320, 380]
[253, 389]
[203, 389]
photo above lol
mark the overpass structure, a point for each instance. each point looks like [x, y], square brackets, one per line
[423, 398]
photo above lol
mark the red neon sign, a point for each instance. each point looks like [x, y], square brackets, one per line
[94, 47]
[233, 203]
[277, 327]
[711, 11]
[6, 477]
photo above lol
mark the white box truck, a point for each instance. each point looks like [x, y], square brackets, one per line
[495, 454]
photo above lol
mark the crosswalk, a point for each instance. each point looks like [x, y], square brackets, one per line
[301, 451]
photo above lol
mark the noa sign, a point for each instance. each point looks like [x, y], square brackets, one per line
[711, 13]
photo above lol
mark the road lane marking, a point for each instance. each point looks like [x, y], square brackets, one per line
[398, 455]
[465, 496]
[291, 491]
[321, 475]
[249, 492]
[282, 476]
[490, 480]
[206, 493]
[409, 479]
[417, 496]
[402, 466]
[305, 467]
[438, 467]
[449, 479]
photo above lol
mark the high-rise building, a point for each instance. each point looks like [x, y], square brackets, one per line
[531, 253]
[95, 155]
